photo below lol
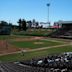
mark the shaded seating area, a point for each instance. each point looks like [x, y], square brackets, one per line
[65, 31]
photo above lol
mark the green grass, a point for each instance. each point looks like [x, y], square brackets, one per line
[30, 44]
[34, 32]
[35, 54]
[3, 37]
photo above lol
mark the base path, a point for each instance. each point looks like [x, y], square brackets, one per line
[48, 47]
[38, 49]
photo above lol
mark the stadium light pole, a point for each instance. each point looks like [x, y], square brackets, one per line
[48, 5]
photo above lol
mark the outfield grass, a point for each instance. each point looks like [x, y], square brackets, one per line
[32, 45]
[3, 37]
[35, 54]
[34, 32]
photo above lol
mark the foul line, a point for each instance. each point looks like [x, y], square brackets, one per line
[38, 49]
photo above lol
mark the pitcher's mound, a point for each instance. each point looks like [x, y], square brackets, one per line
[38, 43]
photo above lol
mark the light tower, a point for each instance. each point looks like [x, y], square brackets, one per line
[48, 5]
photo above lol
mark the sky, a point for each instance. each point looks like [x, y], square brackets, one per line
[12, 10]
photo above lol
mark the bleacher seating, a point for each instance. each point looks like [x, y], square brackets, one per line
[51, 63]
[62, 33]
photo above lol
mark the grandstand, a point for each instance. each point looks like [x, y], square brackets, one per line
[65, 31]
[51, 63]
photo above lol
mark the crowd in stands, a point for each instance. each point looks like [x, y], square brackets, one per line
[52, 63]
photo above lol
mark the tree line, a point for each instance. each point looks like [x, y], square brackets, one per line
[23, 25]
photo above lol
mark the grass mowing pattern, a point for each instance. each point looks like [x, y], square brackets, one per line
[35, 54]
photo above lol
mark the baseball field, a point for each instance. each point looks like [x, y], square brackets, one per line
[17, 47]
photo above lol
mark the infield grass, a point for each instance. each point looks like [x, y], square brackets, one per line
[35, 54]
[35, 44]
